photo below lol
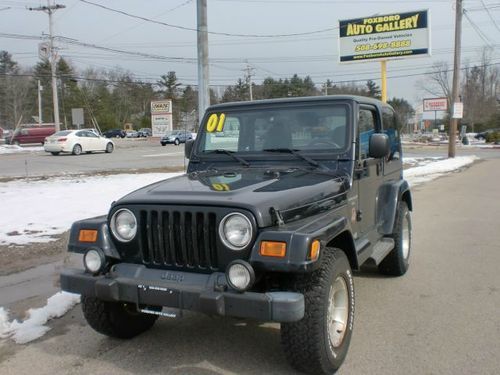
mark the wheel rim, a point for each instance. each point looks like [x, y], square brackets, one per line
[109, 147]
[78, 150]
[406, 237]
[338, 312]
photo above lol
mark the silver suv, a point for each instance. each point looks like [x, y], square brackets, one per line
[176, 137]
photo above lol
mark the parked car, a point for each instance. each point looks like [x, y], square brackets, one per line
[145, 132]
[176, 137]
[31, 134]
[76, 142]
[486, 133]
[115, 133]
[132, 133]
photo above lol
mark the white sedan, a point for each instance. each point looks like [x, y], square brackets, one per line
[76, 142]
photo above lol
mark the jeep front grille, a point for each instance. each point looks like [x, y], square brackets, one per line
[181, 239]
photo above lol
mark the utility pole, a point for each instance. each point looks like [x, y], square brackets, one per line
[40, 88]
[203, 89]
[50, 9]
[248, 77]
[456, 77]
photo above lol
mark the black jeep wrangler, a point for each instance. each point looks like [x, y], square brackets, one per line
[281, 200]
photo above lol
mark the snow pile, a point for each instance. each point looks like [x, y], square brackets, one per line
[38, 210]
[34, 326]
[14, 149]
[428, 172]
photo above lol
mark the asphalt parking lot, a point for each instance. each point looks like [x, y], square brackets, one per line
[129, 155]
[440, 318]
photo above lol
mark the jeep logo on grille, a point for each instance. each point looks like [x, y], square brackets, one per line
[172, 276]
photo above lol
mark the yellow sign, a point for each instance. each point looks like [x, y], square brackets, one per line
[384, 37]
[215, 122]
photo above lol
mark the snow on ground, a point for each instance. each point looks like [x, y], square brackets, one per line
[432, 170]
[33, 211]
[33, 327]
[14, 149]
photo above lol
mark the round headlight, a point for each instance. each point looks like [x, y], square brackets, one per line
[124, 225]
[235, 231]
[240, 275]
[93, 260]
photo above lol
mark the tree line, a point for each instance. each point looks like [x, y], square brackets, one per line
[113, 97]
[479, 91]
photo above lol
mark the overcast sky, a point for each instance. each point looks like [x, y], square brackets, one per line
[280, 57]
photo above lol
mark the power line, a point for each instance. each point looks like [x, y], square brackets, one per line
[209, 32]
[490, 15]
[146, 81]
[482, 35]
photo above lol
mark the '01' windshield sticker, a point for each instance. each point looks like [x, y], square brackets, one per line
[215, 122]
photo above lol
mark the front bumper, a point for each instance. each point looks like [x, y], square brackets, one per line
[209, 294]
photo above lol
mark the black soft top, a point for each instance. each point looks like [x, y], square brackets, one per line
[296, 100]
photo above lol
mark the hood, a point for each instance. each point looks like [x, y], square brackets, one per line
[272, 196]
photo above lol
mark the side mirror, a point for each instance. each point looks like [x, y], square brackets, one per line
[188, 148]
[379, 146]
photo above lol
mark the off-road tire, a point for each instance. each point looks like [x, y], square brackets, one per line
[77, 149]
[177, 142]
[55, 153]
[306, 343]
[115, 319]
[109, 148]
[396, 263]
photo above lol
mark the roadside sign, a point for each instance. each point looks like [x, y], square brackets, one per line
[458, 110]
[43, 50]
[161, 117]
[391, 36]
[435, 104]
[77, 117]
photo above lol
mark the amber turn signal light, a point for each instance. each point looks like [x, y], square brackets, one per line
[273, 249]
[314, 251]
[87, 235]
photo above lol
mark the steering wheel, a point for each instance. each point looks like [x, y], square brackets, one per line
[316, 142]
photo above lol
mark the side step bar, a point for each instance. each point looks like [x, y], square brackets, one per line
[381, 249]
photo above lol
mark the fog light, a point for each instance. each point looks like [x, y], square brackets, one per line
[94, 260]
[240, 275]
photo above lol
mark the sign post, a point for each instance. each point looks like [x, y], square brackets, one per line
[385, 37]
[435, 105]
[161, 117]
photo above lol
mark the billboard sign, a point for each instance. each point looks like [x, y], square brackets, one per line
[391, 36]
[435, 104]
[161, 117]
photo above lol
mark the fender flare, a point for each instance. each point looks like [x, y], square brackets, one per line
[103, 242]
[390, 194]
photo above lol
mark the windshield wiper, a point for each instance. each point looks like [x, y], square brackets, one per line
[230, 153]
[294, 152]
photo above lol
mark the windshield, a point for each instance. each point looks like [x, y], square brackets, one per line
[312, 129]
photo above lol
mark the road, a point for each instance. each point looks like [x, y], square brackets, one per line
[141, 154]
[441, 318]
[129, 154]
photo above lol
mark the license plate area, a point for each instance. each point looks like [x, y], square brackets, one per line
[158, 296]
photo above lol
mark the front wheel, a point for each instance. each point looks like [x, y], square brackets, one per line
[397, 262]
[318, 343]
[77, 149]
[176, 142]
[115, 319]
[109, 148]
